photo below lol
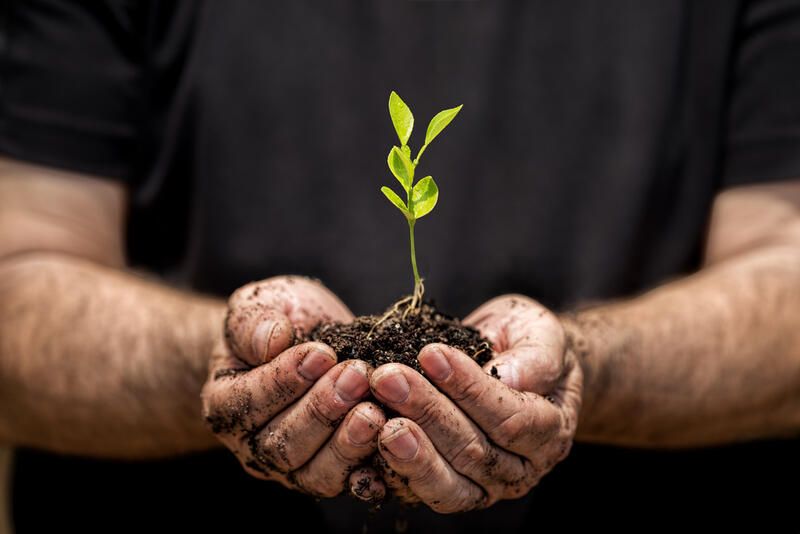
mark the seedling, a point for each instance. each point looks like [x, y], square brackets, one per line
[421, 196]
[409, 324]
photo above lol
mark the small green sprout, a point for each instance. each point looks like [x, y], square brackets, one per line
[421, 197]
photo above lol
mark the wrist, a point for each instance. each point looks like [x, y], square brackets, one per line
[207, 323]
[211, 320]
[588, 335]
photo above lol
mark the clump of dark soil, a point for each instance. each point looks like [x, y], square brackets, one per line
[398, 336]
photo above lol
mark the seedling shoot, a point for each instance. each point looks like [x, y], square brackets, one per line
[421, 196]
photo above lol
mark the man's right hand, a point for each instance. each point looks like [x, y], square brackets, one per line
[278, 406]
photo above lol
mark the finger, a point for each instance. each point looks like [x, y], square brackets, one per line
[355, 440]
[366, 485]
[256, 333]
[528, 339]
[409, 452]
[459, 440]
[395, 483]
[223, 364]
[306, 302]
[296, 434]
[242, 402]
[518, 422]
[528, 368]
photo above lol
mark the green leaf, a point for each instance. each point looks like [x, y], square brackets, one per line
[402, 118]
[394, 199]
[401, 167]
[406, 150]
[439, 122]
[424, 197]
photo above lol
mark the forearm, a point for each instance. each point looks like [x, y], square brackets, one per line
[101, 362]
[711, 358]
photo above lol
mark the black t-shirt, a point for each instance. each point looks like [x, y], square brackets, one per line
[253, 136]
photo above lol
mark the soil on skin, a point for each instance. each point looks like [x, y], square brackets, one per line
[399, 339]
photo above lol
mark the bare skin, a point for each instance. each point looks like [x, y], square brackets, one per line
[97, 360]
[278, 405]
[473, 440]
[711, 358]
[93, 359]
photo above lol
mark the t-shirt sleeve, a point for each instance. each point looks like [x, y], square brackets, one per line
[71, 81]
[763, 123]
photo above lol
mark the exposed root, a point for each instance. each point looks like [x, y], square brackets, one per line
[416, 299]
[391, 311]
[483, 347]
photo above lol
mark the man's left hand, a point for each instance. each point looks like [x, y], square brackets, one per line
[485, 434]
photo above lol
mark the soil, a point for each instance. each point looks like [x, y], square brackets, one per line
[398, 336]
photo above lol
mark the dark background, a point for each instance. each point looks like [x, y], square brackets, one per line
[253, 138]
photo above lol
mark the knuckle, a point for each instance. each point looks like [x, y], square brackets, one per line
[511, 429]
[343, 454]
[322, 411]
[470, 392]
[281, 384]
[471, 455]
[271, 451]
[427, 412]
[423, 471]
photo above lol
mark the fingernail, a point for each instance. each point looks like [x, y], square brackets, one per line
[315, 364]
[362, 429]
[403, 444]
[352, 383]
[435, 364]
[259, 342]
[364, 486]
[393, 387]
[508, 374]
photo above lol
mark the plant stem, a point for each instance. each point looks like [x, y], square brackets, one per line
[419, 155]
[413, 255]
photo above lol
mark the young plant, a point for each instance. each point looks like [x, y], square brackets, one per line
[421, 196]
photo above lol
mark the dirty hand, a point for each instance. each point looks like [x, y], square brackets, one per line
[473, 440]
[278, 406]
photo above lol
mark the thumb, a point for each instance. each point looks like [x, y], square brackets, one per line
[256, 334]
[528, 368]
[529, 341]
[304, 301]
[264, 317]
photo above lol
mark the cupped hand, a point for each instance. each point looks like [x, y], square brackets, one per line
[468, 436]
[289, 412]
